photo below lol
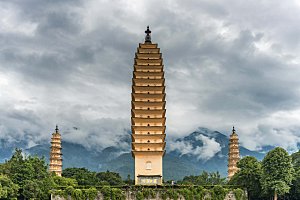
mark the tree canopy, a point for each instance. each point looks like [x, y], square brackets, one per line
[205, 178]
[295, 188]
[249, 176]
[88, 178]
[278, 172]
[27, 177]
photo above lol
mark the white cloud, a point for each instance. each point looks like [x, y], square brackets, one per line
[70, 62]
[208, 150]
[12, 23]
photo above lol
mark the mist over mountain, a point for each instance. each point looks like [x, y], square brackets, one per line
[202, 149]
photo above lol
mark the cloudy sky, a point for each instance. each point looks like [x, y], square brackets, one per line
[227, 63]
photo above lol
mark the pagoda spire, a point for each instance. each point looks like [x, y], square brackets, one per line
[148, 36]
[233, 154]
[148, 113]
[55, 153]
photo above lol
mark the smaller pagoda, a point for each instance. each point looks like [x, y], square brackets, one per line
[55, 153]
[234, 154]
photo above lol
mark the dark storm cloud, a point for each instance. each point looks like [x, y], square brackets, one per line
[70, 62]
[58, 24]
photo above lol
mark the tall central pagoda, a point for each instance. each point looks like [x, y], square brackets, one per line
[148, 113]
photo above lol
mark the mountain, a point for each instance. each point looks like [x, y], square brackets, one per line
[201, 150]
[7, 148]
[203, 141]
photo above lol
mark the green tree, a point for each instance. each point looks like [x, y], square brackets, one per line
[112, 178]
[29, 173]
[64, 182]
[38, 189]
[129, 181]
[216, 179]
[295, 188]
[218, 192]
[277, 172]
[8, 189]
[87, 178]
[249, 176]
[205, 178]
[82, 175]
[31, 189]
[21, 168]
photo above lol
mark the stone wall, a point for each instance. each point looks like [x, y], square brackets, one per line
[131, 195]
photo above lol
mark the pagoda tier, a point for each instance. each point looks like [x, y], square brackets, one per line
[148, 82]
[148, 113]
[148, 75]
[148, 97]
[55, 164]
[149, 89]
[233, 154]
[152, 152]
[144, 146]
[148, 68]
[139, 105]
[148, 137]
[148, 129]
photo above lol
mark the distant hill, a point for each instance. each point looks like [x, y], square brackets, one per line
[199, 141]
[201, 150]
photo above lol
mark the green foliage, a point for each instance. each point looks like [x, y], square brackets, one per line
[61, 193]
[69, 190]
[8, 189]
[218, 192]
[112, 178]
[81, 194]
[172, 194]
[199, 193]
[91, 193]
[239, 194]
[29, 176]
[64, 182]
[3, 193]
[139, 195]
[295, 188]
[82, 175]
[148, 193]
[280, 187]
[117, 194]
[296, 159]
[249, 176]
[186, 193]
[45, 186]
[105, 190]
[85, 177]
[77, 194]
[205, 178]
[129, 181]
[112, 193]
[278, 172]
[31, 189]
